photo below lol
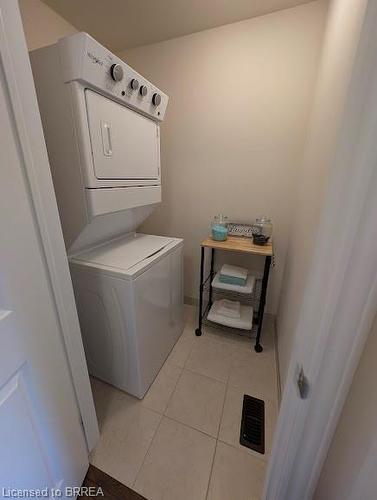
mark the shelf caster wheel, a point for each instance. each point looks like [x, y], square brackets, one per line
[258, 348]
[198, 332]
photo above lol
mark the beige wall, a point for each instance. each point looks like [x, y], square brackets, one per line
[356, 432]
[342, 34]
[42, 25]
[240, 99]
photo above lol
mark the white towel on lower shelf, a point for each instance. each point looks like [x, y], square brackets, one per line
[235, 271]
[229, 308]
[245, 322]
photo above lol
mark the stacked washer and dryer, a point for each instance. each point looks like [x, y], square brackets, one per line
[101, 124]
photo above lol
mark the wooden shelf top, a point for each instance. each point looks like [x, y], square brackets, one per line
[239, 244]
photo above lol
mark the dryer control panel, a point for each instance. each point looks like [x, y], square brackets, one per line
[85, 60]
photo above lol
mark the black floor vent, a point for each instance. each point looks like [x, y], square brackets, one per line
[252, 424]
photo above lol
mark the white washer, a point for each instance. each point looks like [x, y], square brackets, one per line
[129, 298]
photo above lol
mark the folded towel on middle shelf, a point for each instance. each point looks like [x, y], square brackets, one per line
[233, 275]
[232, 280]
[229, 308]
[232, 287]
[234, 271]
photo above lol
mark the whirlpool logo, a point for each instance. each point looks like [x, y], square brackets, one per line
[95, 59]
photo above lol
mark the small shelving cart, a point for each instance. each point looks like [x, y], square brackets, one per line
[238, 244]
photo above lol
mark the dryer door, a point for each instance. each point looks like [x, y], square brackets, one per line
[125, 144]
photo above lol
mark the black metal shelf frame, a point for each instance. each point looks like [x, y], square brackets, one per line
[203, 281]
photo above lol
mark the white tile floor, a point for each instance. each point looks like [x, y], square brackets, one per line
[181, 442]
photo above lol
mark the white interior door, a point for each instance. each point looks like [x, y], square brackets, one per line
[340, 299]
[42, 441]
[125, 144]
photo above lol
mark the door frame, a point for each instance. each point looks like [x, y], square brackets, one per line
[290, 446]
[347, 246]
[22, 98]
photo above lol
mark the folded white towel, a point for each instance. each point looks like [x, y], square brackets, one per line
[229, 308]
[235, 271]
[245, 322]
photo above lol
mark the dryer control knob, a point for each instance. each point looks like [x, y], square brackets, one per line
[156, 99]
[143, 90]
[134, 84]
[116, 72]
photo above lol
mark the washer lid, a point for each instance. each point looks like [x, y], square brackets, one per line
[124, 253]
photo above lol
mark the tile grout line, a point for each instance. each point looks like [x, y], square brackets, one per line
[172, 392]
[162, 414]
[210, 378]
[222, 411]
[189, 427]
[211, 471]
[159, 424]
[245, 452]
[218, 433]
[189, 354]
[206, 376]
[147, 452]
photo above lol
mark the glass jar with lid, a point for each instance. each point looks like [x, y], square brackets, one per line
[262, 229]
[220, 227]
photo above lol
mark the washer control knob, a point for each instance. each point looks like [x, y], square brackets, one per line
[134, 84]
[143, 90]
[116, 72]
[156, 99]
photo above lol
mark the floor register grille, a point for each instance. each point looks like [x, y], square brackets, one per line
[252, 424]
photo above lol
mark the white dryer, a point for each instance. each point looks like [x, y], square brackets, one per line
[101, 121]
[129, 299]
